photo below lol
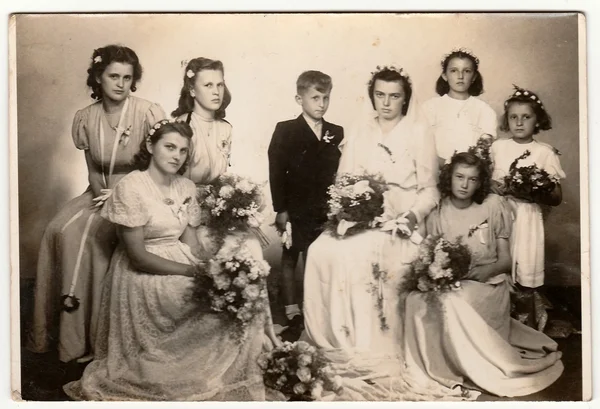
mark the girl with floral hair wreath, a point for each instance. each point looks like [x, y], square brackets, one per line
[154, 342]
[457, 116]
[524, 117]
[77, 245]
[465, 338]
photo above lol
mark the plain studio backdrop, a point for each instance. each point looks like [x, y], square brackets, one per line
[263, 55]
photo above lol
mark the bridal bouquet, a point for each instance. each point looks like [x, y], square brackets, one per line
[440, 266]
[355, 201]
[231, 203]
[528, 181]
[234, 287]
[298, 371]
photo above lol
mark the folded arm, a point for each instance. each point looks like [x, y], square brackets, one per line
[502, 265]
[143, 260]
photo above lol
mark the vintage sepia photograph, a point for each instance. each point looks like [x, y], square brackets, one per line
[281, 207]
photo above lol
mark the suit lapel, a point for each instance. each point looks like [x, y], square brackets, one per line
[305, 129]
[332, 138]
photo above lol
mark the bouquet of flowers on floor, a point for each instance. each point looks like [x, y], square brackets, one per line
[231, 203]
[355, 201]
[234, 287]
[440, 266]
[299, 371]
[527, 182]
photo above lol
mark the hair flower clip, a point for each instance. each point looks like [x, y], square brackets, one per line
[190, 74]
[97, 59]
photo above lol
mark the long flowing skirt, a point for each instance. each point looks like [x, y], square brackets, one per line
[62, 243]
[154, 345]
[468, 339]
[353, 315]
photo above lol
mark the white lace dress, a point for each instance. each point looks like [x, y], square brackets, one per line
[152, 344]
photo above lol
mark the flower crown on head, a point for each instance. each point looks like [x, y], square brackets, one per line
[159, 125]
[461, 50]
[524, 93]
[391, 67]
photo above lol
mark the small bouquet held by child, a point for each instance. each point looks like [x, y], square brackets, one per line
[298, 371]
[231, 204]
[528, 182]
[355, 201]
[440, 266]
[234, 287]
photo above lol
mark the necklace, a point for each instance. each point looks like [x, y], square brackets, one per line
[110, 118]
[165, 199]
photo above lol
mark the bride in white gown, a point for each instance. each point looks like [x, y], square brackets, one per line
[341, 316]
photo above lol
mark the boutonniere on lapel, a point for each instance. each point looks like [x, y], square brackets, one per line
[183, 208]
[474, 228]
[327, 138]
[124, 138]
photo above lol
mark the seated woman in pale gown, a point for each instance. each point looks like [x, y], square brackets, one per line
[341, 316]
[468, 340]
[153, 343]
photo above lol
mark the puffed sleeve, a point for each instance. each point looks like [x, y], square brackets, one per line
[193, 208]
[552, 165]
[489, 121]
[426, 164]
[429, 110]
[154, 114]
[78, 132]
[126, 205]
[433, 224]
[500, 216]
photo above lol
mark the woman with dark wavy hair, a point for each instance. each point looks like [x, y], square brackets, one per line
[153, 341]
[467, 338]
[77, 244]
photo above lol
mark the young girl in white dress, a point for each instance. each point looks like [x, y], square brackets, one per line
[458, 118]
[525, 116]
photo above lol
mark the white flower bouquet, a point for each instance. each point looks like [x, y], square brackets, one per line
[234, 287]
[230, 203]
[355, 201]
[299, 371]
[440, 266]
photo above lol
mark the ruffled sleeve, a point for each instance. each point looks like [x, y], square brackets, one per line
[429, 109]
[500, 216]
[78, 132]
[552, 165]
[433, 223]
[154, 114]
[193, 208]
[489, 121]
[126, 205]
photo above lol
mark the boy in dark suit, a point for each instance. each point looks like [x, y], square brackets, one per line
[303, 160]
